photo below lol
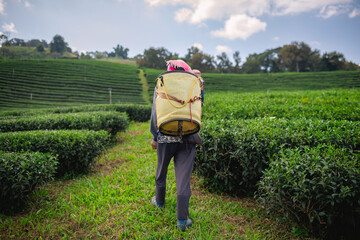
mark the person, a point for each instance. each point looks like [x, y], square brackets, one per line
[183, 152]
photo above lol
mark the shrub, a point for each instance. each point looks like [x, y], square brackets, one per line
[136, 112]
[76, 149]
[335, 104]
[318, 187]
[238, 151]
[112, 122]
[20, 174]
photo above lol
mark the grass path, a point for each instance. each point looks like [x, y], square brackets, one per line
[113, 202]
[145, 86]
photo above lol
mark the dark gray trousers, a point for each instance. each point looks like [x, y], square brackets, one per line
[184, 155]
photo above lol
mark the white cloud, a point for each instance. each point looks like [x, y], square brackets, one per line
[330, 11]
[25, 3]
[222, 48]
[9, 28]
[198, 45]
[2, 7]
[276, 39]
[240, 26]
[315, 43]
[354, 13]
[285, 7]
[197, 11]
[183, 14]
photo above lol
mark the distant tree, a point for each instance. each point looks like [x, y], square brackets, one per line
[100, 55]
[237, 60]
[17, 42]
[119, 51]
[191, 52]
[33, 43]
[251, 64]
[40, 48]
[155, 58]
[4, 39]
[202, 62]
[139, 56]
[296, 57]
[350, 66]
[224, 65]
[268, 60]
[332, 61]
[45, 44]
[58, 45]
[85, 56]
[313, 63]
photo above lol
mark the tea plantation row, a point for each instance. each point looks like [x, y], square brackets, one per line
[298, 152]
[36, 146]
[271, 82]
[41, 83]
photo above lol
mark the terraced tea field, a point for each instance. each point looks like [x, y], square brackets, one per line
[217, 82]
[45, 83]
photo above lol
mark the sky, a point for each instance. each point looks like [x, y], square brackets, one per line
[214, 26]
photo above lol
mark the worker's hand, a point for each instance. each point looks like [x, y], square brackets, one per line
[153, 144]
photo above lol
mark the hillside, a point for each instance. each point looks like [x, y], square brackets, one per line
[215, 82]
[45, 83]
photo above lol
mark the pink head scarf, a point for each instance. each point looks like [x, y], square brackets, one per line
[173, 65]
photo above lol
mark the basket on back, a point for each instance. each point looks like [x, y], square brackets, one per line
[178, 103]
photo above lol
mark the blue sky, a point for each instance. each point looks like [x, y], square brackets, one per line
[214, 26]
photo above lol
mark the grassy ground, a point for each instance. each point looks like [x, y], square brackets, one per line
[114, 202]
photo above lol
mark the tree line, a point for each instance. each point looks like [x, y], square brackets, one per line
[293, 57]
[58, 47]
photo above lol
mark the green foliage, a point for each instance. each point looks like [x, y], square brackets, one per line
[155, 58]
[20, 174]
[51, 83]
[76, 149]
[238, 151]
[58, 44]
[136, 112]
[13, 52]
[115, 203]
[112, 122]
[270, 82]
[338, 104]
[318, 187]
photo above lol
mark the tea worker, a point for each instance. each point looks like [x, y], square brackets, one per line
[183, 152]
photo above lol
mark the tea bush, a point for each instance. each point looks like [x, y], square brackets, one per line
[112, 122]
[20, 174]
[335, 104]
[136, 112]
[318, 187]
[238, 151]
[76, 149]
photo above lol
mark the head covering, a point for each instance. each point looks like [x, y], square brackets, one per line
[173, 65]
[196, 72]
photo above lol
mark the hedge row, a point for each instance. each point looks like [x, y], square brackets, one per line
[76, 149]
[336, 104]
[136, 112]
[317, 187]
[238, 151]
[20, 173]
[112, 122]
